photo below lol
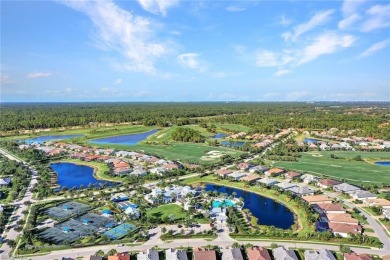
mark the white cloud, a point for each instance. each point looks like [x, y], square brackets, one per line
[282, 72]
[284, 21]
[375, 48]
[120, 31]
[234, 8]
[192, 61]
[318, 19]
[326, 43]
[348, 21]
[265, 58]
[158, 7]
[39, 75]
[118, 81]
[379, 17]
[350, 7]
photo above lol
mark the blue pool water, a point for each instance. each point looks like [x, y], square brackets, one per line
[268, 211]
[219, 135]
[45, 138]
[131, 139]
[310, 140]
[223, 204]
[73, 175]
[383, 163]
[232, 144]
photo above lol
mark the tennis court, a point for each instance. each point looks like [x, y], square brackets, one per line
[119, 231]
[66, 210]
[95, 220]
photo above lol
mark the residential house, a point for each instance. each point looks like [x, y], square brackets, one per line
[204, 254]
[379, 202]
[301, 191]
[317, 199]
[308, 178]
[267, 181]
[258, 168]
[286, 185]
[363, 195]
[93, 257]
[251, 178]
[273, 172]
[322, 254]
[282, 253]
[139, 172]
[158, 170]
[120, 256]
[345, 188]
[354, 256]
[237, 175]
[329, 208]
[171, 166]
[257, 253]
[5, 182]
[243, 166]
[150, 254]
[223, 172]
[339, 218]
[292, 175]
[328, 183]
[175, 254]
[344, 229]
[232, 254]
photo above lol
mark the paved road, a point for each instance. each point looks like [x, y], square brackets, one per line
[12, 233]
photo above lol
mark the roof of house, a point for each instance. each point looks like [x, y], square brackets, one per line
[150, 254]
[286, 185]
[5, 181]
[346, 218]
[237, 175]
[329, 182]
[330, 207]
[301, 190]
[293, 174]
[204, 254]
[251, 177]
[267, 181]
[275, 170]
[322, 254]
[223, 171]
[232, 254]
[344, 228]
[345, 187]
[281, 253]
[378, 202]
[316, 198]
[93, 257]
[174, 254]
[120, 256]
[354, 256]
[258, 253]
[361, 194]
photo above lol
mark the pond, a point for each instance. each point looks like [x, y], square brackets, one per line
[219, 135]
[73, 175]
[232, 143]
[268, 211]
[382, 163]
[46, 138]
[310, 140]
[130, 139]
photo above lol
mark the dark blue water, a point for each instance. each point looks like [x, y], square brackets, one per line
[310, 140]
[73, 175]
[383, 163]
[45, 138]
[268, 211]
[219, 135]
[131, 139]
[232, 144]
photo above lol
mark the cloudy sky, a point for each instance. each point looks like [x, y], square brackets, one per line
[181, 50]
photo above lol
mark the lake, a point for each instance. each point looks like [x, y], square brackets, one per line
[130, 139]
[46, 138]
[73, 175]
[232, 143]
[268, 211]
[219, 135]
[310, 140]
[382, 163]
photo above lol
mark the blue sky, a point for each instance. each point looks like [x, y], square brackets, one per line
[175, 50]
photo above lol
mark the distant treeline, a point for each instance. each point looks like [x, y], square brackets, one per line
[260, 117]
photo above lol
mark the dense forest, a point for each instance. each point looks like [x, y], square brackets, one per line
[184, 134]
[260, 117]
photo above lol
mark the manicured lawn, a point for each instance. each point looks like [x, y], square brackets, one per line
[357, 172]
[165, 211]
[233, 127]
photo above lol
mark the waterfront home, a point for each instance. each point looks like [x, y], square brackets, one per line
[344, 230]
[169, 194]
[317, 199]
[322, 254]
[273, 172]
[328, 183]
[204, 254]
[251, 178]
[339, 218]
[267, 182]
[301, 191]
[5, 182]
[175, 254]
[223, 172]
[150, 254]
[363, 195]
[257, 253]
[119, 256]
[354, 256]
[237, 175]
[379, 202]
[286, 185]
[258, 168]
[232, 254]
[345, 188]
[292, 175]
[329, 208]
[308, 178]
[282, 253]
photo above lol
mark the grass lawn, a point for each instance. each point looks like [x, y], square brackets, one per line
[232, 127]
[357, 172]
[281, 198]
[164, 211]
